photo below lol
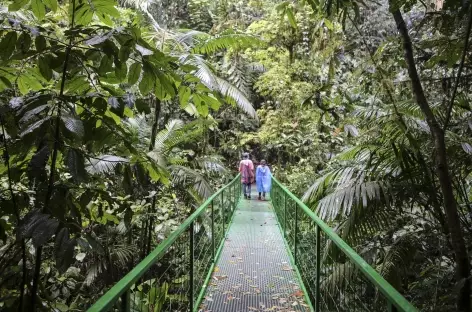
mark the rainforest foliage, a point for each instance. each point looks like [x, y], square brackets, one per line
[118, 119]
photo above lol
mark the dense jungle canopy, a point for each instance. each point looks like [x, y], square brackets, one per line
[118, 119]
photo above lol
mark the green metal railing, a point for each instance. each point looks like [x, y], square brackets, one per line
[334, 276]
[174, 276]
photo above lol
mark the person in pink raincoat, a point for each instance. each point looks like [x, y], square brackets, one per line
[246, 168]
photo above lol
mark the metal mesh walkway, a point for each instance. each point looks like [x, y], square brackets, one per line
[254, 272]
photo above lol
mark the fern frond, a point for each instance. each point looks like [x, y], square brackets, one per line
[226, 40]
[165, 136]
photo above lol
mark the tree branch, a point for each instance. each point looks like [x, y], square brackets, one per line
[459, 71]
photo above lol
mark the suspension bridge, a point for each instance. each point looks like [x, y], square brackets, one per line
[235, 255]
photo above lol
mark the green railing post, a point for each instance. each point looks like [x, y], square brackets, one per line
[213, 231]
[285, 213]
[233, 192]
[240, 188]
[191, 277]
[230, 197]
[126, 301]
[318, 266]
[295, 243]
[223, 212]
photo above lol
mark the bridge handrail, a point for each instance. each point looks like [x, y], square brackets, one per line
[112, 296]
[385, 288]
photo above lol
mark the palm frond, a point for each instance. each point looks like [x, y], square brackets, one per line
[235, 96]
[123, 253]
[165, 140]
[342, 200]
[186, 175]
[204, 71]
[208, 77]
[398, 259]
[104, 163]
[211, 164]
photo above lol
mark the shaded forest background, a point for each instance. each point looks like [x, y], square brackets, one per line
[118, 119]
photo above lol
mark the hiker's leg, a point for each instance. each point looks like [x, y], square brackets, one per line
[259, 196]
[249, 190]
[263, 195]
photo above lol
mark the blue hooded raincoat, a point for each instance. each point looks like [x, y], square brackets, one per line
[263, 179]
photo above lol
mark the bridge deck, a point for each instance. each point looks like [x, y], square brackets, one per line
[254, 272]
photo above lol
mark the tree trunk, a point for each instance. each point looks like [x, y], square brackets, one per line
[442, 170]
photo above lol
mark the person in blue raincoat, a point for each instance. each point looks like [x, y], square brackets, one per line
[263, 179]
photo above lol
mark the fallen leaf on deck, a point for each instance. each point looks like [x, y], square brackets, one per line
[220, 277]
[216, 269]
[298, 294]
[286, 268]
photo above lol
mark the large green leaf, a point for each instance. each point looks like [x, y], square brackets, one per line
[76, 164]
[64, 250]
[40, 43]
[148, 82]
[24, 42]
[7, 45]
[121, 71]
[17, 4]
[52, 4]
[27, 83]
[74, 125]
[184, 96]
[38, 8]
[44, 64]
[291, 17]
[134, 73]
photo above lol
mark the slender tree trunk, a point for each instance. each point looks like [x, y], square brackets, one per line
[57, 136]
[442, 170]
[155, 127]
